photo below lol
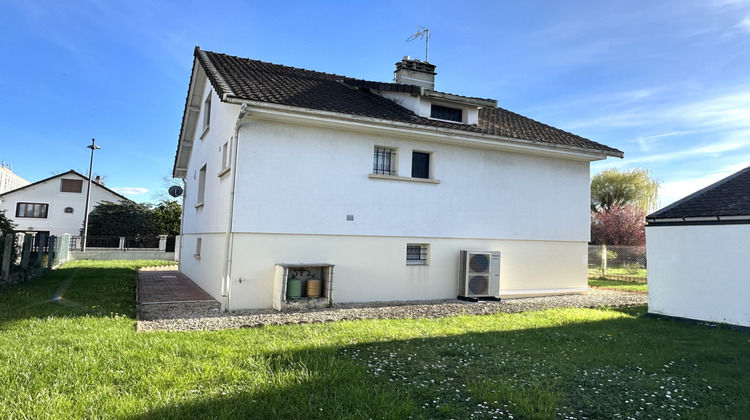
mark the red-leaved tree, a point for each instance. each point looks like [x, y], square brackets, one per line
[620, 225]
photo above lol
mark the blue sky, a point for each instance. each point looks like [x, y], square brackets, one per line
[667, 82]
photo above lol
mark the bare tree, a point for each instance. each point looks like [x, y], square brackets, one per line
[167, 182]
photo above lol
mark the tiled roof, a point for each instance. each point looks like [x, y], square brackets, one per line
[728, 197]
[69, 173]
[254, 80]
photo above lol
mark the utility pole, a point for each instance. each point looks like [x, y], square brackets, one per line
[88, 196]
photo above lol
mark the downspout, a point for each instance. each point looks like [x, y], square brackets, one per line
[229, 245]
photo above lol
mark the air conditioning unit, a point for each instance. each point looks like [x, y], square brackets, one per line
[479, 274]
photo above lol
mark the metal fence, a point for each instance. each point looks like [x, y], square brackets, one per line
[626, 263]
[136, 243]
[27, 255]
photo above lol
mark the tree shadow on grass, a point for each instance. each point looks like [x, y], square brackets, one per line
[71, 292]
[582, 369]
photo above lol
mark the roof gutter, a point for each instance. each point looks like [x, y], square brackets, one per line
[702, 220]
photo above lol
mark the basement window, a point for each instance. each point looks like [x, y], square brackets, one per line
[446, 113]
[417, 254]
[198, 246]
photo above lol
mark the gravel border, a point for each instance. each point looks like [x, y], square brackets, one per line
[206, 316]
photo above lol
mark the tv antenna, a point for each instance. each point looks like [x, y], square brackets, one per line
[422, 33]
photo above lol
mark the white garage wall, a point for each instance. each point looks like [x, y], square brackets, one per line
[700, 272]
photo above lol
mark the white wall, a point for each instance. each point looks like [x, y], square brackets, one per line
[297, 179]
[374, 268]
[213, 215]
[700, 272]
[297, 184]
[204, 269]
[57, 221]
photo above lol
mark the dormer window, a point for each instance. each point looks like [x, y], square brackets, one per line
[446, 113]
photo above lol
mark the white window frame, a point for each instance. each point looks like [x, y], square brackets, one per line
[226, 157]
[201, 196]
[29, 210]
[198, 246]
[206, 115]
[430, 165]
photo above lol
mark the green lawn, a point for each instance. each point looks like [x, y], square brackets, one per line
[69, 350]
[618, 284]
[629, 272]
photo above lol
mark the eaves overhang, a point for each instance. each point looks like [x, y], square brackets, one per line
[193, 104]
[268, 111]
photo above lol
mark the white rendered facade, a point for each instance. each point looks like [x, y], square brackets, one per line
[700, 272]
[10, 181]
[294, 178]
[47, 208]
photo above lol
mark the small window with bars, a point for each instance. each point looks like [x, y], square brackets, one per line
[384, 161]
[417, 254]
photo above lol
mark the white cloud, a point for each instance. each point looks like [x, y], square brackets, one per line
[722, 110]
[646, 142]
[130, 190]
[708, 151]
[744, 25]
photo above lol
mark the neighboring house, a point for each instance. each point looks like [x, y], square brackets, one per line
[9, 180]
[55, 205]
[296, 172]
[699, 254]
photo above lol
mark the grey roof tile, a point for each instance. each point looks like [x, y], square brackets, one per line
[255, 80]
[728, 197]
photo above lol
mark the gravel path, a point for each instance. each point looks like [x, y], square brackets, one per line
[206, 315]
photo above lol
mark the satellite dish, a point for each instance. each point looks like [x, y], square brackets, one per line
[175, 191]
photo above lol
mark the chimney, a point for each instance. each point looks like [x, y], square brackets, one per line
[415, 72]
[98, 180]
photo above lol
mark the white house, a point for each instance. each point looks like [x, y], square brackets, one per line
[698, 252]
[55, 205]
[375, 187]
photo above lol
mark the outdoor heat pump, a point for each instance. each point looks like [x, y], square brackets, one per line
[479, 274]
